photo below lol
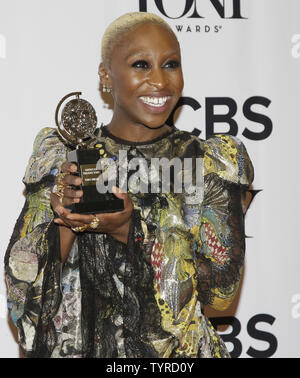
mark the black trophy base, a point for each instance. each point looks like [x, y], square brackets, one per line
[98, 207]
[92, 201]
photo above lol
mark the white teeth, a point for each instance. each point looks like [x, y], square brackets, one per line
[154, 101]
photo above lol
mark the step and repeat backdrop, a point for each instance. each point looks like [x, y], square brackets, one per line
[241, 61]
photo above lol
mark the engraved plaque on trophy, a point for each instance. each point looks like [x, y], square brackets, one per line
[77, 124]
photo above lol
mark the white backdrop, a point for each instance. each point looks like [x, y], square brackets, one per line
[243, 53]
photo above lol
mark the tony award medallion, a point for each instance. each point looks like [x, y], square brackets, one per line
[77, 123]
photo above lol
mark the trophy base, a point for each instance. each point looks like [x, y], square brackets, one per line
[92, 202]
[107, 206]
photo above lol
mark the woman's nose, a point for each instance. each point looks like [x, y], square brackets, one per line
[157, 79]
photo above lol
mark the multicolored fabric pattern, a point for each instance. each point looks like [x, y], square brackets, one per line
[145, 299]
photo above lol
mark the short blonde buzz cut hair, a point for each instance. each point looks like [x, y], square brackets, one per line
[121, 25]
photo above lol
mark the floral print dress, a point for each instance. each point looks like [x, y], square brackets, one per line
[146, 298]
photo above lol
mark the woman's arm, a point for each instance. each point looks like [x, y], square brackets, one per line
[67, 237]
[31, 272]
[228, 173]
[220, 261]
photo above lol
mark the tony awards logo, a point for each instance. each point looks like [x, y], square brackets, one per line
[199, 16]
[194, 8]
[77, 123]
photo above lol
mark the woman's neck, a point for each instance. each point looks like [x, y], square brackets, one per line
[135, 132]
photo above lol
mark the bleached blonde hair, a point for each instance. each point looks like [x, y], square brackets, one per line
[121, 25]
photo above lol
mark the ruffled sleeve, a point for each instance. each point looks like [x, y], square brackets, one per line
[227, 157]
[32, 274]
[48, 154]
[228, 172]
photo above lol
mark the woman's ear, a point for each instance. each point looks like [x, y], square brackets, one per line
[104, 76]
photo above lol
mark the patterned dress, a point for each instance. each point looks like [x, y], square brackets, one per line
[185, 250]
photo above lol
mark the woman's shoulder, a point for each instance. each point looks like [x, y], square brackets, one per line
[48, 154]
[46, 138]
[227, 156]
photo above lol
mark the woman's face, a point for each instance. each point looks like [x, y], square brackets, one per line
[145, 75]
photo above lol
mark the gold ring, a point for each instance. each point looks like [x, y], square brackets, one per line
[95, 222]
[80, 228]
[59, 189]
[60, 178]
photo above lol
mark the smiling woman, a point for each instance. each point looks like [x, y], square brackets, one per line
[133, 283]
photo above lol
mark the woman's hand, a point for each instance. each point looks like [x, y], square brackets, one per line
[70, 195]
[116, 224]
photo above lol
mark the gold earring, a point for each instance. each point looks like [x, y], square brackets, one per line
[105, 89]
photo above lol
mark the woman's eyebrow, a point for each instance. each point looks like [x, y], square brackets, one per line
[148, 54]
[137, 54]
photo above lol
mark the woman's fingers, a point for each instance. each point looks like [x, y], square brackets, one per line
[72, 195]
[57, 206]
[65, 222]
[110, 222]
[66, 218]
[67, 167]
[66, 183]
[70, 178]
[128, 206]
[79, 218]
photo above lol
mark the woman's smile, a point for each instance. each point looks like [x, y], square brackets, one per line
[155, 104]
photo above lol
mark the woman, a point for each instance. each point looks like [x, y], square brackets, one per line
[132, 283]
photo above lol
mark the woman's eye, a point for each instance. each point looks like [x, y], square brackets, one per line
[140, 64]
[172, 64]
